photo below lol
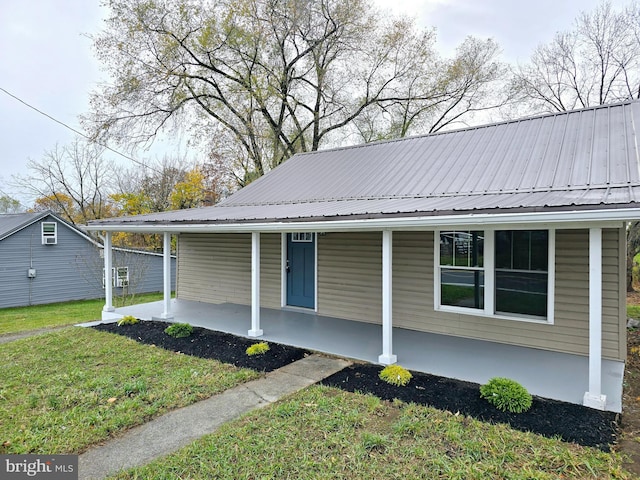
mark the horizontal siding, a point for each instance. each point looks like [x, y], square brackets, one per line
[216, 268]
[270, 270]
[413, 271]
[350, 276]
[70, 270]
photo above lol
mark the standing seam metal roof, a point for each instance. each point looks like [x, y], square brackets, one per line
[578, 158]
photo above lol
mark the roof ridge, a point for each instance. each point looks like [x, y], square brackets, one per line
[531, 117]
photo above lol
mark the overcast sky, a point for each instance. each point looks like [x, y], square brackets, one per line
[47, 61]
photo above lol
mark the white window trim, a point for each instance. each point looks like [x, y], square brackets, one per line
[47, 236]
[489, 279]
[121, 279]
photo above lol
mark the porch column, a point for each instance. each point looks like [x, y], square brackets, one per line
[166, 275]
[594, 397]
[387, 357]
[108, 282]
[255, 285]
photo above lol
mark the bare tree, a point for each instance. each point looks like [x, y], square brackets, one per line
[273, 77]
[72, 180]
[596, 62]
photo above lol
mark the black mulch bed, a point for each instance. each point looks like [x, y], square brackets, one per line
[572, 423]
[205, 343]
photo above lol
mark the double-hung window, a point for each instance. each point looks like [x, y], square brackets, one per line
[462, 269]
[522, 272]
[500, 273]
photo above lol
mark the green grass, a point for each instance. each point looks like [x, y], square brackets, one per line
[19, 319]
[633, 311]
[323, 433]
[65, 390]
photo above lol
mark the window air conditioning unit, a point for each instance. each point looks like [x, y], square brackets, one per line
[49, 233]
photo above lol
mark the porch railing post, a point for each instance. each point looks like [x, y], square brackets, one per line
[108, 278]
[387, 357]
[255, 285]
[166, 273]
[594, 397]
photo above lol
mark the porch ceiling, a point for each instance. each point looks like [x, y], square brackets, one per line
[547, 374]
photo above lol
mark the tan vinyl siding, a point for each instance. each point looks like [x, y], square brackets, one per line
[350, 276]
[216, 268]
[270, 270]
[350, 283]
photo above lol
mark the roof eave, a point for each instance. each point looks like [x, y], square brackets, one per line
[574, 218]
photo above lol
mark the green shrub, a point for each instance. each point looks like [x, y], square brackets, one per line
[128, 320]
[506, 395]
[258, 349]
[395, 375]
[179, 330]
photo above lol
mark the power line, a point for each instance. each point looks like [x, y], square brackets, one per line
[82, 134]
[5, 194]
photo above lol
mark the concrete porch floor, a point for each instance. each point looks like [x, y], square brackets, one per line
[547, 374]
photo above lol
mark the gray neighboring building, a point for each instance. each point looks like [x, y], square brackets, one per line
[44, 259]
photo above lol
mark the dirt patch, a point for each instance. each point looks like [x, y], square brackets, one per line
[570, 422]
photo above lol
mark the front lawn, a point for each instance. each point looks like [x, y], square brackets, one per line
[18, 319]
[322, 432]
[66, 390]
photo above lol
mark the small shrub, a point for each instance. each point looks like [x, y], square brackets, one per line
[395, 375]
[506, 395]
[179, 330]
[127, 320]
[258, 349]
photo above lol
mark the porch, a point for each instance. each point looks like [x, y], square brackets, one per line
[544, 373]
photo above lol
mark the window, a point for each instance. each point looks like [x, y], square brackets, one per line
[122, 276]
[302, 237]
[522, 272]
[49, 233]
[119, 277]
[515, 266]
[462, 272]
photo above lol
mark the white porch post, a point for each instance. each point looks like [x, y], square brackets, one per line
[108, 282]
[166, 272]
[387, 357]
[255, 285]
[594, 397]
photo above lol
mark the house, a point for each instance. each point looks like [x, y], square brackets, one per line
[506, 235]
[44, 259]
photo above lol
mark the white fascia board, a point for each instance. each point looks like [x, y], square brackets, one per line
[609, 218]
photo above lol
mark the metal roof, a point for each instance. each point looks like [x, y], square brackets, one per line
[13, 222]
[580, 159]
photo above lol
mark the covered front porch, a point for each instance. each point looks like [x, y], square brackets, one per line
[544, 373]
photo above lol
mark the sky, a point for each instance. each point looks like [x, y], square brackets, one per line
[46, 58]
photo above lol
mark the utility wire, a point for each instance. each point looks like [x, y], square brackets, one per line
[78, 131]
[5, 194]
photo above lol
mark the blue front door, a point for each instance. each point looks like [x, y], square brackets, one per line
[301, 270]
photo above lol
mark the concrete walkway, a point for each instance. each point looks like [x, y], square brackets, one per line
[178, 428]
[10, 337]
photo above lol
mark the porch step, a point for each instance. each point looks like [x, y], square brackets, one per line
[178, 428]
